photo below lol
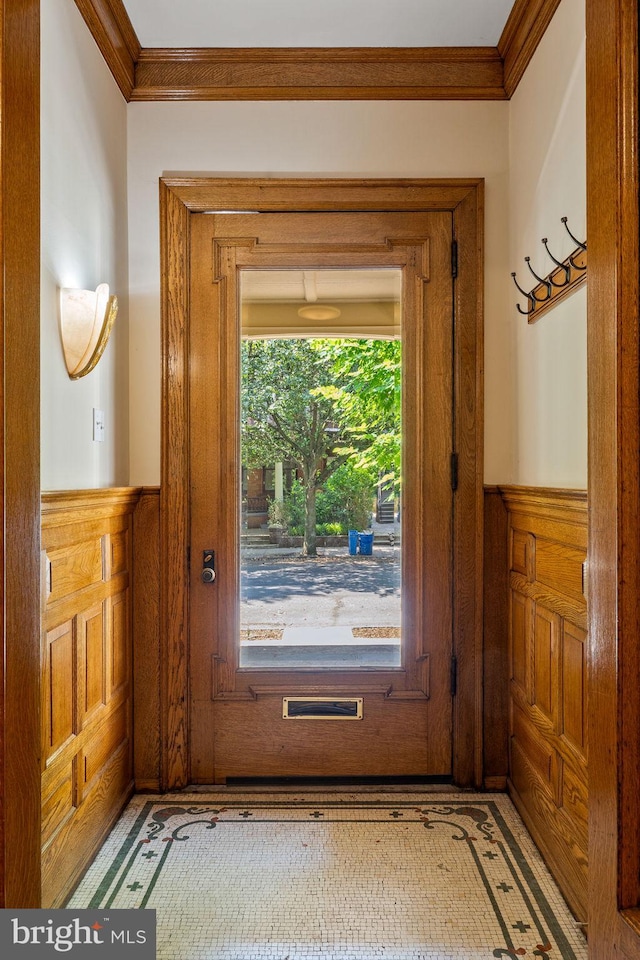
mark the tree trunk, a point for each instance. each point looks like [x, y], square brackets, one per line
[309, 546]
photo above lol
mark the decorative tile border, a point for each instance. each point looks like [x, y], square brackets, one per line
[404, 878]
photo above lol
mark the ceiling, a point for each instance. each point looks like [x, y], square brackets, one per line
[366, 302]
[163, 50]
[313, 286]
[318, 23]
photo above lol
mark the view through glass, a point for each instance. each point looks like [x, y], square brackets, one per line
[321, 458]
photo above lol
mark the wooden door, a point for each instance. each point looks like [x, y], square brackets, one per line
[236, 714]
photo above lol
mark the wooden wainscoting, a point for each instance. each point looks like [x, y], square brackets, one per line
[495, 678]
[87, 772]
[146, 637]
[547, 539]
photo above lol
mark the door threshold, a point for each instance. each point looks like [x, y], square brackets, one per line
[405, 784]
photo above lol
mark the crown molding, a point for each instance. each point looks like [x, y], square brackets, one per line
[364, 73]
[317, 73]
[522, 33]
[109, 24]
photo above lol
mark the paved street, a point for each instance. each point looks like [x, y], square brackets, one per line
[325, 592]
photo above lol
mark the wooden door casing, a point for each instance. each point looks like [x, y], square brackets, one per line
[407, 718]
[180, 200]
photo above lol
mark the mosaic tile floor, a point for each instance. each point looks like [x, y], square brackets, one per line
[343, 876]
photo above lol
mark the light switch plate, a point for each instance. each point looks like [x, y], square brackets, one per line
[98, 424]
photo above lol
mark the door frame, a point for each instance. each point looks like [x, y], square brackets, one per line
[179, 200]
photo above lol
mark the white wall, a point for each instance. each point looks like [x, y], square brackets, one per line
[547, 180]
[84, 242]
[350, 139]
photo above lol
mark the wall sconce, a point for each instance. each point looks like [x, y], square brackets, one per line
[86, 319]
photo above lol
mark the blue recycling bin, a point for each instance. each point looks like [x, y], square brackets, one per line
[353, 542]
[366, 544]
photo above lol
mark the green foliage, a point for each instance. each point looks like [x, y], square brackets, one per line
[330, 529]
[332, 407]
[350, 492]
[345, 502]
[367, 387]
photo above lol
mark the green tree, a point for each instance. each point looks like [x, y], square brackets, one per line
[286, 417]
[322, 404]
[367, 383]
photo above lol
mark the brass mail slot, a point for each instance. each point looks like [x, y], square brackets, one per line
[322, 708]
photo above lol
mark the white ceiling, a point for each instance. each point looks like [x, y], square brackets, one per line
[318, 23]
[313, 286]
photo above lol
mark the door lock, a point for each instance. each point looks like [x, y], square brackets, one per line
[208, 566]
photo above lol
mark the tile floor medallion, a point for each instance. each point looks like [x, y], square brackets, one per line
[333, 877]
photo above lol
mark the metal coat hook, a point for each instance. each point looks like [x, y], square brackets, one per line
[545, 283]
[565, 276]
[582, 246]
[558, 263]
[526, 313]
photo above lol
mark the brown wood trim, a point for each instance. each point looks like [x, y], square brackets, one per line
[174, 507]
[523, 32]
[366, 73]
[317, 73]
[20, 491]
[111, 28]
[557, 503]
[496, 641]
[199, 195]
[177, 199]
[146, 640]
[613, 330]
[73, 506]
[468, 220]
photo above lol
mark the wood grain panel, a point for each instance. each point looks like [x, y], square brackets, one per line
[91, 675]
[74, 567]
[87, 686]
[520, 616]
[313, 73]
[373, 746]
[496, 666]
[574, 799]
[559, 565]
[523, 32]
[146, 634]
[530, 747]
[545, 662]
[58, 803]
[20, 660]
[522, 553]
[613, 339]
[104, 743]
[118, 552]
[59, 708]
[111, 28]
[120, 652]
[548, 743]
[77, 840]
[574, 685]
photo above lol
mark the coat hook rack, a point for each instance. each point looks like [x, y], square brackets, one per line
[565, 277]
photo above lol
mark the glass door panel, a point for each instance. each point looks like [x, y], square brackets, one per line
[321, 453]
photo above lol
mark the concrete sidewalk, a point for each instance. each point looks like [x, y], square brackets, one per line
[314, 604]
